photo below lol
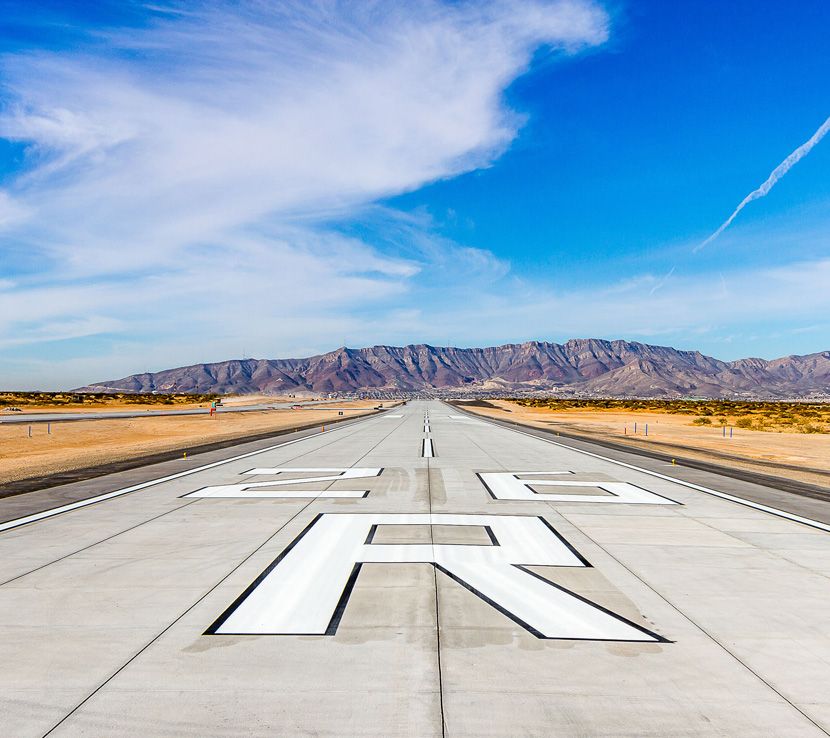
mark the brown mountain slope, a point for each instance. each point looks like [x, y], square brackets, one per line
[585, 366]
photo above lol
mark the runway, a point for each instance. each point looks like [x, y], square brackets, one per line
[418, 573]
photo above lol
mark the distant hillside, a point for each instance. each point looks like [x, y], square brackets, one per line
[582, 366]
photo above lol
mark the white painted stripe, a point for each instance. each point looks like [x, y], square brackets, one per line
[350, 472]
[17, 522]
[299, 594]
[266, 489]
[426, 429]
[250, 491]
[508, 486]
[722, 495]
[427, 451]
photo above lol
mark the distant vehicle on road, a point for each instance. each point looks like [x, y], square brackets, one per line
[12, 410]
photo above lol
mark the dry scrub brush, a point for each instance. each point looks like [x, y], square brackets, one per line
[792, 417]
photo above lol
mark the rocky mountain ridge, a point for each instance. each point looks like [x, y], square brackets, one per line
[590, 367]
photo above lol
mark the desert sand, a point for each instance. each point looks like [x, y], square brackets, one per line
[80, 444]
[118, 403]
[799, 456]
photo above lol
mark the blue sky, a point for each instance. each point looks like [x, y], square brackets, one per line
[192, 182]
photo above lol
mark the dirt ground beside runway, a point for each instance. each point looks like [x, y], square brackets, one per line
[799, 456]
[81, 444]
[120, 403]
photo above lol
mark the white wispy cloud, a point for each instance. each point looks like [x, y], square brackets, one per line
[184, 175]
[733, 302]
[11, 211]
[776, 174]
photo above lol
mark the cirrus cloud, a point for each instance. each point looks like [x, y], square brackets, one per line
[193, 167]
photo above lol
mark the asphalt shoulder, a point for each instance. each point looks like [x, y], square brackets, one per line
[75, 476]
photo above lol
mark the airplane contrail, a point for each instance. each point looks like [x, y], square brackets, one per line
[662, 282]
[777, 173]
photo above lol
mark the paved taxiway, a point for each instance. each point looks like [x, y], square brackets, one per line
[343, 584]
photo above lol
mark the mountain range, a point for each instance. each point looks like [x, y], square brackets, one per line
[586, 367]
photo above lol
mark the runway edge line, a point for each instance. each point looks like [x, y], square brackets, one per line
[45, 514]
[691, 485]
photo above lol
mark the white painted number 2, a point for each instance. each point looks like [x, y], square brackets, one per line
[275, 488]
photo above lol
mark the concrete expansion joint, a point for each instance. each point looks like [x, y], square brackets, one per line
[314, 553]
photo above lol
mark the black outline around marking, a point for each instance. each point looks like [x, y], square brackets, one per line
[492, 536]
[352, 581]
[344, 468]
[340, 608]
[531, 629]
[370, 539]
[298, 481]
[642, 629]
[242, 496]
[587, 564]
[253, 585]
[345, 595]
[552, 495]
[485, 485]
[492, 603]
[550, 474]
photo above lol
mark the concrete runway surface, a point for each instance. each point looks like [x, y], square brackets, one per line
[418, 573]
